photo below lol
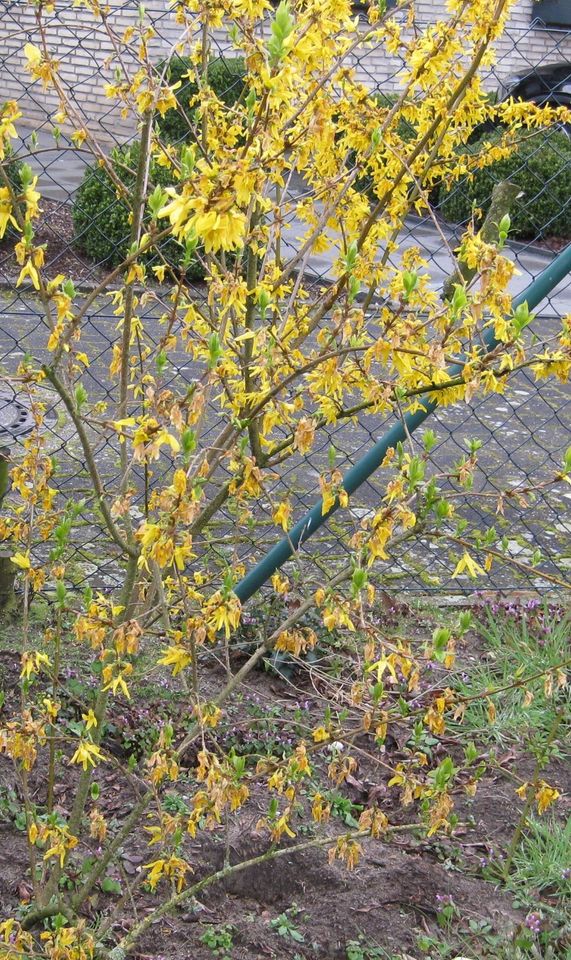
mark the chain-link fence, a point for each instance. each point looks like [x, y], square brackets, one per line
[85, 228]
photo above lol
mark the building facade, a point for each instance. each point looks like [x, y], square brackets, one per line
[534, 35]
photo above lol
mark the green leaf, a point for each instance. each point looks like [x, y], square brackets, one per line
[214, 350]
[156, 201]
[522, 316]
[351, 256]
[443, 774]
[108, 885]
[409, 282]
[188, 442]
[460, 299]
[440, 639]
[354, 288]
[26, 175]
[464, 621]
[470, 752]
[187, 160]
[60, 593]
[503, 229]
[80, 396]
[416, 471]
[161, 362]
[358, 580]
[281, 28]
[429, 440]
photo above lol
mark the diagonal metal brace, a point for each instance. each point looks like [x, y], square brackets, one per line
[540, 288]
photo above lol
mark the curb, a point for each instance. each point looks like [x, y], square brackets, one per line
[88, 286]
[518, 246]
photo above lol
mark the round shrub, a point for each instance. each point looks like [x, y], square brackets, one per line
[226, 76]
[101, 218]
[540, 167]
[12, 171]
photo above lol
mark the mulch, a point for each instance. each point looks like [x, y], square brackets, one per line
[54, 228]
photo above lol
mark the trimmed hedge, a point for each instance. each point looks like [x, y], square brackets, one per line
[226, 76]
[100, 218]
[12, 170]
[541, 167]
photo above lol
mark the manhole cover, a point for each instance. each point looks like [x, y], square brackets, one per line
[15, 418]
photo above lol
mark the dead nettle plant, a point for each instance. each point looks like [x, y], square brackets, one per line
[277, 359]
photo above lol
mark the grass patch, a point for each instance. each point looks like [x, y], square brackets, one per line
[525, 660]
[542, 862]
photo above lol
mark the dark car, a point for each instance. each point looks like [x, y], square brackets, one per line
[544, 85]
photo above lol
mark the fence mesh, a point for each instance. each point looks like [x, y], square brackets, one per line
[523, 433]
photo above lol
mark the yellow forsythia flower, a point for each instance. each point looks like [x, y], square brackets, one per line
[87, 754]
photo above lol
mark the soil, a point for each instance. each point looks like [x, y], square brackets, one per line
[555, 244]
[389, 900]
[55, 229]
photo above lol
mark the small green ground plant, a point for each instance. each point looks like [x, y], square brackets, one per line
[363, 949]
[219, 940]
[286, 925]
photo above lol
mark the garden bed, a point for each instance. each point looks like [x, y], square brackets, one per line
[54, 228]
[441, 896]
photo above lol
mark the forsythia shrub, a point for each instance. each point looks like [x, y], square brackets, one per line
[177, 470]
[540, 166]
[12, 173]
[100, 216]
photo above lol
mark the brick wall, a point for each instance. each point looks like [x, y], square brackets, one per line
[82, 50]
[525, 43]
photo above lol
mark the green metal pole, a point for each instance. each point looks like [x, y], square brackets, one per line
[540, 288]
